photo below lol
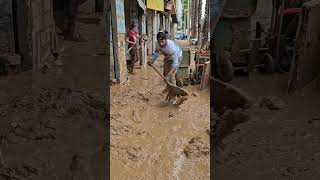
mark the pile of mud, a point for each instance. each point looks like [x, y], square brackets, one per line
[272, 103]
[224, 124]
[196, 148]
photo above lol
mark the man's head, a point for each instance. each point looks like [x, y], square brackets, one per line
[162, 39]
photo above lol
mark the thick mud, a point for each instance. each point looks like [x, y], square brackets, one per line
[52, 123]
[46, 123]
[149, 138]
[281, 138]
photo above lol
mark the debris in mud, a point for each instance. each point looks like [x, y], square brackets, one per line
[133, 95]
[134, 154]
[136, 117]
[174, 92]
[272, 103]
[196, 148]
[120, 129]
[143, 132]
[171, 114]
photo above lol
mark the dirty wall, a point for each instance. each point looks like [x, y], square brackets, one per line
[35, 30]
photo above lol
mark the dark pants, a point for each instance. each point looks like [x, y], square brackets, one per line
[134, 54]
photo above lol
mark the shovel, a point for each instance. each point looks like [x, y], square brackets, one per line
[172, 89]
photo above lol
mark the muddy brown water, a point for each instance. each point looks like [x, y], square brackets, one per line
[148, 139]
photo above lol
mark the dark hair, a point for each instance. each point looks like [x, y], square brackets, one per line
[161, 36]
[133, 25]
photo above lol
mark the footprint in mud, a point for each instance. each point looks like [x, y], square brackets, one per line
[196, 148]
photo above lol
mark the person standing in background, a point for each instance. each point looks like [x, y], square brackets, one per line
[132, 40]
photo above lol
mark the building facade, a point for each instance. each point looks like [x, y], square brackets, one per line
[151, 16]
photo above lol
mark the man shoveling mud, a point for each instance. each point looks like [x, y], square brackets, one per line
[172, 59]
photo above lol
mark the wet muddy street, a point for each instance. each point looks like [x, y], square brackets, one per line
[281, 139]
[152, 141]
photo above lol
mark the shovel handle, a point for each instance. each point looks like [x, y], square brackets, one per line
[160, 74]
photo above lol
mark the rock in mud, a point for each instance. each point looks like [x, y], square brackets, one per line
[272, 103]
[196, 148]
